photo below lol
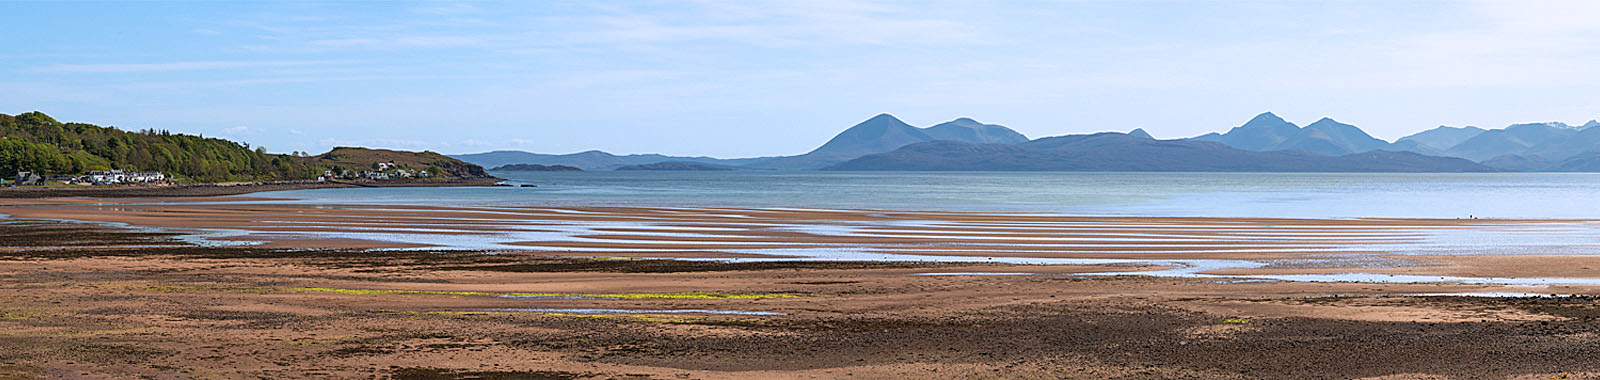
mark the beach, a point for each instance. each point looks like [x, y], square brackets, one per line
[256, 286]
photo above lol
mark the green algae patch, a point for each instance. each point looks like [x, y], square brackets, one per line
[1235, 321]
[680, 295]
[211, 289]
[628, 296]
[21, 316]
[656, 318]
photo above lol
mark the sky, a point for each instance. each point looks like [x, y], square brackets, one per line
[758, 78]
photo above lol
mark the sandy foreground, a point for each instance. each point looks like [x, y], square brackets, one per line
[374, 291]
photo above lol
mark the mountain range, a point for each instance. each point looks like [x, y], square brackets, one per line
[1112, 151]
[1265, 143]
[881, 133]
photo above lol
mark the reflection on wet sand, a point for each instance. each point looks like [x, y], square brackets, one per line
[1299, 250]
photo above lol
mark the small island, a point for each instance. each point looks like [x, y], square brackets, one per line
[673, 166]
[536, 168]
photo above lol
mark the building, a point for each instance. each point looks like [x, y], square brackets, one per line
[112, 177]
[29, 179]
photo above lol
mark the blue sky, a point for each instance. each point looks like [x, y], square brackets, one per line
[749, 78]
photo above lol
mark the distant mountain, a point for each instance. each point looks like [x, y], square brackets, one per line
[536, 168]
[1528, 146]
[1588, 162]
[1268, 132]
[1518, 163]
[1140, 133]
[1518, 139]
[1414, 147]
[968, 130]
[884, 133]
[1122, 152]
[881, 133]
[1568, 145]
[1331, 138]
[589, 160]
[1585, 162]
[673, 166]
[1439, 139]
[1262, 133]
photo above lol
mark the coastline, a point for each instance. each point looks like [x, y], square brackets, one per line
[216, 189]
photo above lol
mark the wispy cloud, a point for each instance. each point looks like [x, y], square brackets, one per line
[1516, 44]
[782, 23]
[175, 66]
[446, 9]
[402, 41]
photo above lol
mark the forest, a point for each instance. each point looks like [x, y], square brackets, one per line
[36, 142]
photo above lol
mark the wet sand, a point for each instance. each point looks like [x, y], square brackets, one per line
[87, 301]
[1275, 246]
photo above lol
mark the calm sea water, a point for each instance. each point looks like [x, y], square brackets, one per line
[1499, 195]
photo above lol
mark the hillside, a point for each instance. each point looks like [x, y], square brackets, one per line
[1517, 139]
[1441, 138]
[359, 159]
[1121, 152]
[36, 142]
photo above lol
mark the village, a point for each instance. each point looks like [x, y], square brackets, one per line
[94, 178]
[382, 171]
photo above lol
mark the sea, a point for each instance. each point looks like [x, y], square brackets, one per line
[1289, 195]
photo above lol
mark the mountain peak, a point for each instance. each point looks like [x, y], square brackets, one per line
[883, 117]
[1591, 124]
[968, 130]
[881, 133]
[1266, 117]
[1139, 132]
[1327, 122]
[1331, 138]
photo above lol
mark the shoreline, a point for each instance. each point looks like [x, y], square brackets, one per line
[216, 189]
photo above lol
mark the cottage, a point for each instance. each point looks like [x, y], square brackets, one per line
[145, 177]
[112, 177]
[29, 179]
[105, 177]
